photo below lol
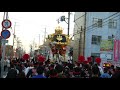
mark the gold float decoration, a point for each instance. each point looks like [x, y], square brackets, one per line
[59, 41]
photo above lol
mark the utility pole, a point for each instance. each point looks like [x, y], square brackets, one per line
[14, 38]
[44, 35]
[3, 57]
[80, 42]
[84, 34]
[34, 44]
[68, 22]
[14, 34]
[39, 39]
[39, 44]
[63, 19]
[18, 47]
[3, 48]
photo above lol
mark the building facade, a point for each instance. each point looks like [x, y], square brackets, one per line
[101, 29]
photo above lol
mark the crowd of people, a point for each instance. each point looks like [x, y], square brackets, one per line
[20, 68]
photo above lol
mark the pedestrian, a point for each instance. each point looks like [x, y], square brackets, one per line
[30, 66]
[53, 73]
[8, 64]
[5, 64]
[21, 74]
[67, 74]
[0, 67]
[95, 71]
[76, 72]
[40, 71]
[12, 73]
[23, 67]
[32, 72]
[60, 69]
[105, 74]
[116, 73]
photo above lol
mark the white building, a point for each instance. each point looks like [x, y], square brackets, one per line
[100, 29]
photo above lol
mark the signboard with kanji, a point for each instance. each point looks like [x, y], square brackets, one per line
[106, 45]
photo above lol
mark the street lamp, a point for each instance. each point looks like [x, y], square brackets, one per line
[62, 18]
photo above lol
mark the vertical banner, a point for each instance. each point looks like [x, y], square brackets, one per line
[119, 50]
[116, 56]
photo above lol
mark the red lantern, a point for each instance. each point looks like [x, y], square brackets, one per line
[41, 58]
[98, 60]
[89, 59]
[81, 59]
[26, 56]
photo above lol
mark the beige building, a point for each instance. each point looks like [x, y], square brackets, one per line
[79, 34]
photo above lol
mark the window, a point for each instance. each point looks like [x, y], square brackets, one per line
[97, 22]
[109, 37]
[112, 23]
[96, 39]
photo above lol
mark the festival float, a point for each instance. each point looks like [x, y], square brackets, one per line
[58, 43]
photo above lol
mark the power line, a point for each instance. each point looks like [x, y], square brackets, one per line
[88, 28]
[103, 19]
[77, 25]
[102, 24]
[79, 17]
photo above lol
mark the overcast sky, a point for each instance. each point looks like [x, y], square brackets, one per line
[30, 24]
